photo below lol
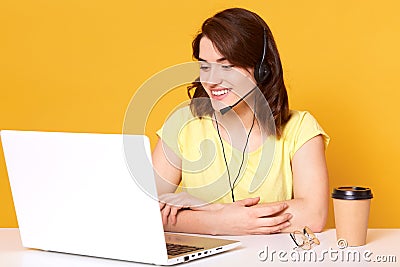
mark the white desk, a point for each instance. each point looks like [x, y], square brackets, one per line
[380, 242]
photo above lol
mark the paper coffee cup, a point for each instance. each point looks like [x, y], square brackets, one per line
[351, 208]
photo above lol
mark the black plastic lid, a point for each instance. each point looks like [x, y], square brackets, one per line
[352, 193]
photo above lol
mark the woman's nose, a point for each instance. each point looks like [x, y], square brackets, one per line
[213, 76]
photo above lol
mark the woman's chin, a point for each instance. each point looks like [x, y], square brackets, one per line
[218, 105]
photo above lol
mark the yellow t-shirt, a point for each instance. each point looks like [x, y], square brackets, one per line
[266, 172]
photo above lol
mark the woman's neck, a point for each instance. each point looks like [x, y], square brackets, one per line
[244, 111]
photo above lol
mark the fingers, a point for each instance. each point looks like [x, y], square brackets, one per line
[165, 213]
[270, 209]
[270, 229]
[272, 224]
[168, 214]
[270, 218]
[275, 220]
[162, 205]
[172, 215]
[171, 203]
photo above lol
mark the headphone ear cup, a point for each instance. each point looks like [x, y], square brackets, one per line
[261, 73]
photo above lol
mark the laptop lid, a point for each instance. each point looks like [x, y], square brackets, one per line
[74, 193]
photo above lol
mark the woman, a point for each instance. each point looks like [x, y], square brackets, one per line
[264, 169]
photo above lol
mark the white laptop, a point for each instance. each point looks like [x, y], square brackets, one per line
[74, 193]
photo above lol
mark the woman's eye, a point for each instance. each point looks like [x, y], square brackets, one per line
[204, 67]
[227, 67]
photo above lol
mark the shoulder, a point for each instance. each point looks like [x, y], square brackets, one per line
[298, 119]
[184, 120]
[177, 119]
[174, 123]
[182, 114]
[180, 123]
[301, 127]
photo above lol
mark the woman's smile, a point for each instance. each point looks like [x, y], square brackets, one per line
[219, 93]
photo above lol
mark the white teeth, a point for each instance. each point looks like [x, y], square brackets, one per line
[220, 92]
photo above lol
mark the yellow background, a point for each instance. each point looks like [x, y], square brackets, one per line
[74, 65]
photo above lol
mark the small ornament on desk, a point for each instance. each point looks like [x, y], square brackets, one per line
[304, 239]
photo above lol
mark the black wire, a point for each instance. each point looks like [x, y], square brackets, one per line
[243, 154]
[223, 152]
[232, 185]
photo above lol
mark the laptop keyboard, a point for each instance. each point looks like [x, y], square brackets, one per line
[176, 249]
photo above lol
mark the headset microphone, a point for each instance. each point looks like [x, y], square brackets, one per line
[226, 109]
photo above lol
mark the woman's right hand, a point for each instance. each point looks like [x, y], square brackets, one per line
[246, 217]
[171, 203]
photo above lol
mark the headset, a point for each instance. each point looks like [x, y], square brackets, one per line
[261, 74]
[262, 71]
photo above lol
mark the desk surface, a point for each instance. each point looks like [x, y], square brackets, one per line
[382, 249]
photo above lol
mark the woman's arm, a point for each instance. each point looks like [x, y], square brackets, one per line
[167, 168]
[311, 187]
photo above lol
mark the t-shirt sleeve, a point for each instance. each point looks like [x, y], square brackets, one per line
[305, 128]
[169, 133]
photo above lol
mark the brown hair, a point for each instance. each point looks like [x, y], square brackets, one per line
[238, 34]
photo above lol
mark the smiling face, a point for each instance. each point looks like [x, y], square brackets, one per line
[224, 83]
